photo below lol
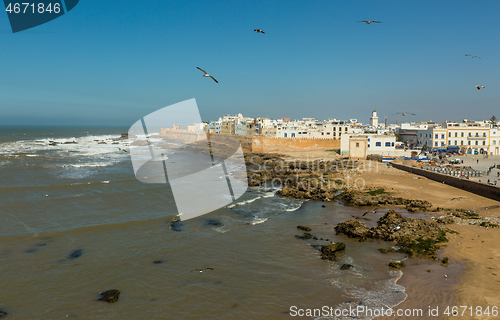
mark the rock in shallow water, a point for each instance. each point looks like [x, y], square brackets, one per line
[110, 296]
[76, 254]
[329, 252]
[304, 228]
[346, 267]
[3, 313]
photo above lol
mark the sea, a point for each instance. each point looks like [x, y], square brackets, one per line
[76, 222]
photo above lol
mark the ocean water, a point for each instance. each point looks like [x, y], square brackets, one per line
[59, 199]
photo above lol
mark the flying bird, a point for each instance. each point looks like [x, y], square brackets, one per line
[373, 211]
[405, 113]
[479, 86]
[207, 75]
[368, 22]
[259, 31]
[470, 55]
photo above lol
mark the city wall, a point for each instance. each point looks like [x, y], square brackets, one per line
[478, 188]
[266, 144]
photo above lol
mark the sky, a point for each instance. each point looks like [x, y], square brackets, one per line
[112, 63]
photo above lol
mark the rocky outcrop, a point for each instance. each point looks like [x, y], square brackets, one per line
[110, 296]
[397, 265]
[415, 236]
[307, 229]
[353, 229]
[330, 251]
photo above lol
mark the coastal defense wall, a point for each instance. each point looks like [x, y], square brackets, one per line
[264, 144]
[481, 189]
[246, 142]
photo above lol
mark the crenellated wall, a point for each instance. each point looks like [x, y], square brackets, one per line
[263, 144]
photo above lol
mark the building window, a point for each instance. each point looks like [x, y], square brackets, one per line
[462, 134]
[470, 134]
[462, 143]
[387, 144]
[484, 143]
[334, 129]
[368, 139]
[378, 144]
[328, 133]
[436, 136]
[393, 144]
[293, 135]
[442, 144]
[322, 133]
[449, 142]
[357, 144]
[484, 134]
[346, 129]
[442, 136]
[477, 134]
[477, 143]
[468, 142]
[435, 144]
[285, 134]
[340, 134]
[494, 142]
[456, 142]
[449, 134]
[456, 134]
[368, 145]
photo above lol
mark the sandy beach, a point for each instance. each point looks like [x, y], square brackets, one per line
[473, 274]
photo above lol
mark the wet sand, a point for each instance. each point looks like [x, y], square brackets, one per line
[476, 248]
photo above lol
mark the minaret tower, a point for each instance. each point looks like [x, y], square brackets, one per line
[374, 119]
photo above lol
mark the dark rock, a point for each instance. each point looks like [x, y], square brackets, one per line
[213, 222]
[76, 254]
[304, 236]
[445, 260]
[353, 229]
[3, 313]
[158, 261]
[397, 265]
[176, 225]
[329, 252]
[307, 229]
[323, 206]
[346, 267]
[110, 296]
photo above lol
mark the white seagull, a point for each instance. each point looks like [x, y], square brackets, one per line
[470, 55]
[404, 113]
[479, 86]
[370, 21]
[207, 75]
[259, 31]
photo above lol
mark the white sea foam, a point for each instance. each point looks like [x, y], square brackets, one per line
[258, 221]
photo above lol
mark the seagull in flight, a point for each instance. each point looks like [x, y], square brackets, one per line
[373, 211]
[479, 86]
[370, 21]
[470, 55]
[259, 31]
[206, 74]
[405, 113]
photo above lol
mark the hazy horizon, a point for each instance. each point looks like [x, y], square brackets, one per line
[101, 64]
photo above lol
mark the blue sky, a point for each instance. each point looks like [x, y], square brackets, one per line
[109, 63]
